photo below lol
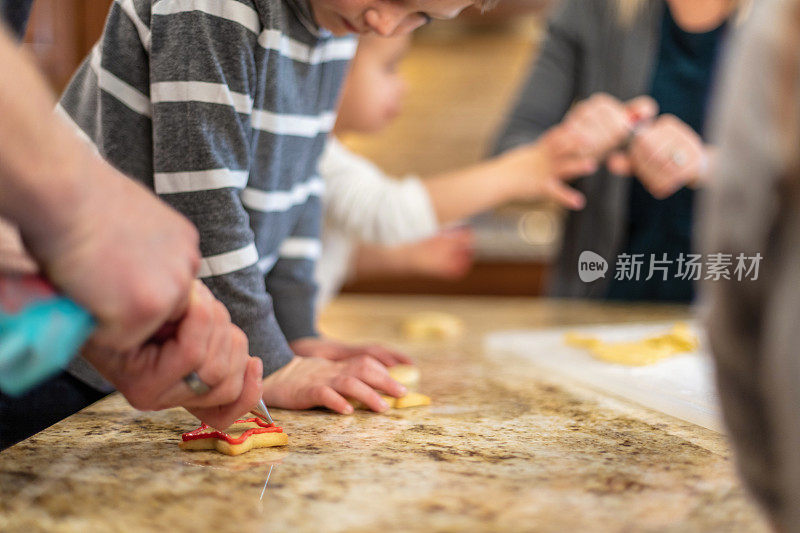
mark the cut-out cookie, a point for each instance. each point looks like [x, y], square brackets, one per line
[241, 437]
[407, 375]
[412, 399]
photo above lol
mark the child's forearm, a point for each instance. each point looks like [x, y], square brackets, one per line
[462, 193]
[372, 261]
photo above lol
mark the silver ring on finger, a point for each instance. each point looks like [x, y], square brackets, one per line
[197, 385]
[678, 157]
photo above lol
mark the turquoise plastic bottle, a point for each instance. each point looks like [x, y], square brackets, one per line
[40, 332]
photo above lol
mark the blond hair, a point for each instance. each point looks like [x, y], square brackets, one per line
[628, 10]
[485, 5]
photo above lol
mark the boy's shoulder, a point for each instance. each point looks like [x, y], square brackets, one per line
[199, 4]
[271, 22]
[267, 13]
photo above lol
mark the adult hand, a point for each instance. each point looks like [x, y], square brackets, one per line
[338, 351]
[205, 342]
[122, 254]
[664, 156]
[600, 124]
[308, 382]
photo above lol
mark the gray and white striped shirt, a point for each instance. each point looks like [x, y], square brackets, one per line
[223, 108]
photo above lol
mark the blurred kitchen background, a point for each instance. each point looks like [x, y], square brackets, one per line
[462, 77]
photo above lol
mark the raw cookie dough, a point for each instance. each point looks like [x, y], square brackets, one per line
[412, 399]
[241, 437]
[432, 325]
[647, 351]
[407, 375]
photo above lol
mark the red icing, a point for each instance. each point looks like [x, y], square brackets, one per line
[263, 428]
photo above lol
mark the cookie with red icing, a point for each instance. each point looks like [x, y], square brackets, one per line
[241, 437]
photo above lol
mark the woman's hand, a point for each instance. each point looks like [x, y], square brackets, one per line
[664, 156]
[593, 129]
[600, 124]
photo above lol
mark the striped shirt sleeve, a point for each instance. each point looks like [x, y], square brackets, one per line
[203, 83]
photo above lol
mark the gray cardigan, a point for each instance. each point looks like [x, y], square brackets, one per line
[586, 51]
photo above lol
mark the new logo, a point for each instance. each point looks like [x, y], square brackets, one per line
[591, 266]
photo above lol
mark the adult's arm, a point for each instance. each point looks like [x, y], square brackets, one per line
[74, 211]
[115, 248]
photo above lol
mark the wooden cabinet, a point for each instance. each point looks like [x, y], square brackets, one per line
[61, 33]
[486, 278]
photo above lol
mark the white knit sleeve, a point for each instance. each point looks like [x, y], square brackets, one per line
[369, 206]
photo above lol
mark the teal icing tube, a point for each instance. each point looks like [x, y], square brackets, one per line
[39, 341]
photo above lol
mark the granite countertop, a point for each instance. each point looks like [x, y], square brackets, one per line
[503, 448]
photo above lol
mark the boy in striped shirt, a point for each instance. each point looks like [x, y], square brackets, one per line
[223, 108]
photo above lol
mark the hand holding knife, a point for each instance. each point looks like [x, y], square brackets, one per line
[42, 330]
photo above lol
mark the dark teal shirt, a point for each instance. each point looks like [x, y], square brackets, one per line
[681, 85]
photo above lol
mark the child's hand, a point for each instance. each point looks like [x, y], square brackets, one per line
[339, 351]
[308, 382]
[539, 171]
[447, 255]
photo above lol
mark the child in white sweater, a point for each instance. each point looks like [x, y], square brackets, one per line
[364, 205]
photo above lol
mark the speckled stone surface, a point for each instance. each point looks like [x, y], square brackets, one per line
[503, 448]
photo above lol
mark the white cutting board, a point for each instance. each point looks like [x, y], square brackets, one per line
[681, 386]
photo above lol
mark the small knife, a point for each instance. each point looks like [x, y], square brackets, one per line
[260, 410]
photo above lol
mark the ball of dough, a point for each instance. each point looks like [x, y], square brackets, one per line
[431, 325]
